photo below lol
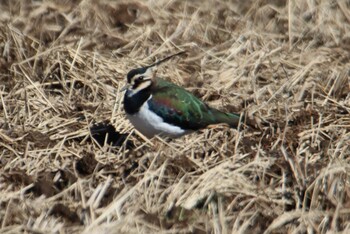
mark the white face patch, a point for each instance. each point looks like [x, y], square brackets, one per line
[145, 84]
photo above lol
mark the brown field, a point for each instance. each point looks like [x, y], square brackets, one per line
[285, 63]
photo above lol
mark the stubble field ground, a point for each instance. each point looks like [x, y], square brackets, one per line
[285, 63]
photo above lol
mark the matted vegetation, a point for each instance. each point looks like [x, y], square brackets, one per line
[286, 63]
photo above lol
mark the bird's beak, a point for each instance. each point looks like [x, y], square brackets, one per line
[125, 88]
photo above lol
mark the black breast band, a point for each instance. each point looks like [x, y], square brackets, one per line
[132, 104]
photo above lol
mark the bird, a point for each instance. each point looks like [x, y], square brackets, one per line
[156, 106]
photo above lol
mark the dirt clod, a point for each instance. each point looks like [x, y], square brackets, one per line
[86, 165]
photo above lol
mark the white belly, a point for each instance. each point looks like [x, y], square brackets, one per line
[150, 124]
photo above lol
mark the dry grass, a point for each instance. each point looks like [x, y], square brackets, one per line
[63, 63]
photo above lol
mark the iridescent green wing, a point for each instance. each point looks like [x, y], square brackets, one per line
[181, 108]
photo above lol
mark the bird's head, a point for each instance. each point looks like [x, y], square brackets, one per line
[139, 79]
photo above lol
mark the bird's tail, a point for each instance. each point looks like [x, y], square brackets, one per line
[232, 119]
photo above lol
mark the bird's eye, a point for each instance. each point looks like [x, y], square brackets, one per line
[140, 78]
